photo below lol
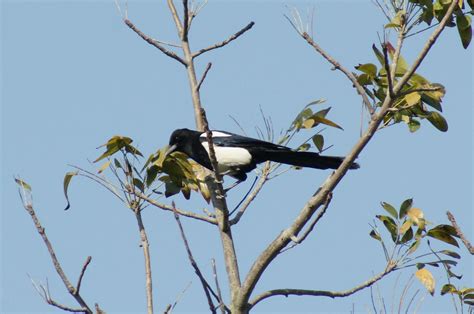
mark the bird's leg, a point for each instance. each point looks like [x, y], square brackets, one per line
[246, 194]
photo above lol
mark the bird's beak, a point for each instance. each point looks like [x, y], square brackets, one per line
[170, 149]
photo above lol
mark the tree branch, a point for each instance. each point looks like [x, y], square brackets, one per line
[284, 238]
[83, 271]
[225, 42]
[338, 66]
[208, 67]
[205, 286]
[218, 288]
[170, 208]
[154, 42]
[297, 240]
[57, 266]
[459, 232]
[146, 254]
[331, 294]
[222, 217]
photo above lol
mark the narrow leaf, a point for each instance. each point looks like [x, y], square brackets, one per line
[390, 209]
[67, 180]
[406, 205]
[104, 166]
[438, 121]
[448, 288]
[23, 184]
[318, 141]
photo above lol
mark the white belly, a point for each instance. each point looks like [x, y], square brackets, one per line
[230, 157]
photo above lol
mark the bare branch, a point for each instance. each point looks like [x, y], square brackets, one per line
[205, 285]
[72, 291]
[154, 42]
[146, 254]
[83, 271]
[459, 232]
[176, 19]
[331, 294]
[186, 19]
[170, 208]
[347, 73]
[297, 240]
[225, 42]
[218, 288]
[208, 67]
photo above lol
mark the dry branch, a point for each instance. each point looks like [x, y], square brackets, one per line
[459, 232]
[74, 292]
[205, 285]
[225, 42]
[154, 42]
[360, 89]
[322, 293]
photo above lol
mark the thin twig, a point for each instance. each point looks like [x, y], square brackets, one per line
[341, 68]
[459, 232]
[298, 240]
[208, 67]
[331, 294]
[83, 271]
[185, 20]
[154, 42]
[192, 261]
[225, 42]
[170, 208]
[72, 291]
[218, 288]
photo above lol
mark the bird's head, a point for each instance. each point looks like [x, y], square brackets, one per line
[180, 140]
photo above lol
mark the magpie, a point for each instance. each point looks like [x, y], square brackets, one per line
[236, 155]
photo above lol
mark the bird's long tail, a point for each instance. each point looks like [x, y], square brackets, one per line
[304, 159]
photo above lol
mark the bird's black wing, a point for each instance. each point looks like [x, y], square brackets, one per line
[227, 139]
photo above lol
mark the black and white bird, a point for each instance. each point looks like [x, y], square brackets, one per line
[236, 155]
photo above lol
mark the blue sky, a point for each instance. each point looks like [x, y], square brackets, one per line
[73, 75]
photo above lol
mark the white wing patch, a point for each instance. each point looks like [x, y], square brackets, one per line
[229, 157]
[216, 134]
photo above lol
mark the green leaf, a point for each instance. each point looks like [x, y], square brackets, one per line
[375, 235]
[23, 184]
[406, 205]
[369, 68]
[316, 102]
[115, 144]
[139, 184]
[412, 98]
[447, 229]
[413, 125]
[151, 174]
[463, 23]
[171, 189]
[448, 288]
[390, 209]
[407, 236]
[442, 236]
[67, 180]
[318, 141]
[390, 224]
[451, 253]
[379, 56]
[414, 246]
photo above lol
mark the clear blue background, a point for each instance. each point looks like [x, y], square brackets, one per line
[73, 75]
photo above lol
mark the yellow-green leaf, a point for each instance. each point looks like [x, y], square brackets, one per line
[413, 98]
[67, 180]
[415, 215]
[427, 279]
[23, 184]
[390, 209]
[104, 166]
[325, 121]
[438, 121]
[463, 23]
[318, 141]
[448, 288]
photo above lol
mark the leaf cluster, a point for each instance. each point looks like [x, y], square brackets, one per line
[408, 228]
[415, 99]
